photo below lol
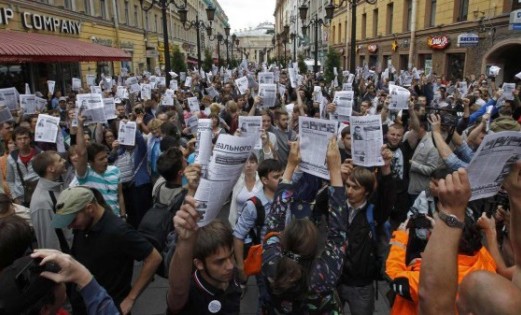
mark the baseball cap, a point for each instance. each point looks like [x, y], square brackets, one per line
[62, 99]
[71, 201]
[21, 285]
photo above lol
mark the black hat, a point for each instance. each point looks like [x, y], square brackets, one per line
[21, 285]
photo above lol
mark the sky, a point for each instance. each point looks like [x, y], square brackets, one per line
[248, 13]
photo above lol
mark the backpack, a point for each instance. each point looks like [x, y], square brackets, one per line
[29, 186]
[156, 226]
[253, 261]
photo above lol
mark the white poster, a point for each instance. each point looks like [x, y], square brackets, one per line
[47, 128]
[110, 108]
[50, 86]
[367, 140]
[127, 133]
[314, 135]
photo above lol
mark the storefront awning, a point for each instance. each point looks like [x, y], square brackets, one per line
[34, 47]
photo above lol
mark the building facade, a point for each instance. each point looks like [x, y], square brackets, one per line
[454, 39]
[255, 44]
[121, 24]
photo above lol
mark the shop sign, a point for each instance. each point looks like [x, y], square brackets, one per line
[42, 22]
[101, 41]
[127, 45]
[438, 42]
[515, 20]
[468, 40]
[372, 48]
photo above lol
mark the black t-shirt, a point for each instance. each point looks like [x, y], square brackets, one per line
[207, 299]
[108, 250]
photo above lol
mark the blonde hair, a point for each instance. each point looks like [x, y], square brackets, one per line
[154, 123]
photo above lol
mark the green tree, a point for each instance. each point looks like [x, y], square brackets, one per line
[208, 61]
[302, 68]
[178, 61]
[332, 61]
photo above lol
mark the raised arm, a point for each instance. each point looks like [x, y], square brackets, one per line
[439, 272]
[488, 226]
[81, 148]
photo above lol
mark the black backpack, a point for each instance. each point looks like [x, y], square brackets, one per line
[157, 225]
[256, 230]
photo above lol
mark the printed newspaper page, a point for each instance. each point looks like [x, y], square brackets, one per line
[251, 126]
[492, 162]
[193, 104]
[191, 123]
[10, 97]
[91, 107]
[47, 128]
[266, 77]
[242, 84]
[344, 105]
[28, 103]
[127, 133]
[268, 92]
[5, 114]
[229, 156]
[367, 140]
[399, 97]
[203, 144]
[314, 135]
[110, 108]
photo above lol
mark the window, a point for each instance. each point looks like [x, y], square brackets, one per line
[103, 9]
[339, 32]
[86, 5]
[462, 9]
[146, 22]
[136, 20]
[390, 17]
[455, 66]
[364, 25]
[334, 33]
[67, 4]
[155, 23]
[375, 22]
[127, 18]
[430, 15]
[408, 14]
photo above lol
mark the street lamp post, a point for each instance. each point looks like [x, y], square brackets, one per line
[303, 11]
[294, 40]
[164, 4]
[226, 41]
[183, 16]
[235, 41]
[330, 8]
[211, 38]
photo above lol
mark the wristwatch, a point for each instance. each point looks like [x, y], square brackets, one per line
[451, 220]
[123, 216]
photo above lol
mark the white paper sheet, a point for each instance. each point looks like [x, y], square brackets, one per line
[367, 140]
[47, 128]
[127, 133]
[314, 135]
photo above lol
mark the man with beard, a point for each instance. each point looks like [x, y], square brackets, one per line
[284, 135]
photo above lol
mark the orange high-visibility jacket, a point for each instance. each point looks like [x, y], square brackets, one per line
[406, 279]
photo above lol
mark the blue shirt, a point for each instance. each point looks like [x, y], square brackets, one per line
[248, 215]
[96, 299]
[107, 184]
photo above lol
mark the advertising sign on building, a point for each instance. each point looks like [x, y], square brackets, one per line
[468, 40]
[372, 48]
[515, 20]
[439, 42]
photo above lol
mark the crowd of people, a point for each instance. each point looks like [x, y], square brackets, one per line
[81, 214]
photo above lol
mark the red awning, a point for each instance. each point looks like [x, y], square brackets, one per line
[33, 47]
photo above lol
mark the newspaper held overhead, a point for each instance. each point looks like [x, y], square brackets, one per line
[508, 90]
[367, 140]
[317, 94]
[188, 82]
[212, 92]
[229, 156]
[127, 133]
[28, 104]
[47, 128]
[242, 84]
[293, 77]
[251, 126]
[110, 108]
[203, 144]
[90, 79]
[399, 97]
[193, 104]
[268, 92]
[266, 78]
[91, 107]
[146, 91]
[314, 135]
[5, 114]
[50, 86]
[344, 105]
[191, 123]
[492, 163]
[281, 89]
[10, 97]
[94, 89]
[41, 103]
[76, 84]
[168, 98]
[122, 92]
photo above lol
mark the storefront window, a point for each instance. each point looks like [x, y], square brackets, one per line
[104, 68]
[455, 66]
[13, 76]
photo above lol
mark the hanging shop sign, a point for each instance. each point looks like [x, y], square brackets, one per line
[468, 40]
[439, 42]
[394, 46]
[372, 48]
[515, 20]
[40, 22]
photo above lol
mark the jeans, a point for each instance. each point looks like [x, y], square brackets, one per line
[359, 299]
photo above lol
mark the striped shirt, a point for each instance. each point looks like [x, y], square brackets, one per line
[106, 183]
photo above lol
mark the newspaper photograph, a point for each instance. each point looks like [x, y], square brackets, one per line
[146, 91]
[399, 97]
[251, 126]
[367, 140]
[47, 128]
[168, 98]
[10, 97]
[266, 78]
[191, 123]
[28, 104]
[76, 84]
[229, 156]
[90, 79]
[268, 93]
[508, 90]
[492, 163]
[193, 104]
[314, 136]
[5, 114]
[91, 107]
[110, 108]
[242, 84]
[50, 86]
[344, 105]
[127, 133]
